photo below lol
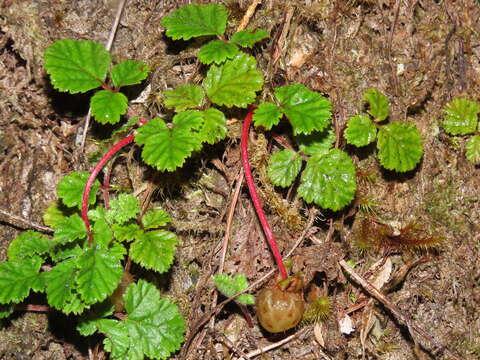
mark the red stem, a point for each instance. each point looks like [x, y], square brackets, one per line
[255, 198]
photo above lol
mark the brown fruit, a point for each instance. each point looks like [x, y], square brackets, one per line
[279, 310]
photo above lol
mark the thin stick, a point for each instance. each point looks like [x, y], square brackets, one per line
[248, 14]
[372, 290]
[23, 223]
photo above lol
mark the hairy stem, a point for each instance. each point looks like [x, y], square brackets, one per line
[255, 198]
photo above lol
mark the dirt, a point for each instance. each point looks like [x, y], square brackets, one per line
[420, 54]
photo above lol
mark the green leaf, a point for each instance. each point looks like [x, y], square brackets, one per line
[317, 143]
[127, 232]
[6, 310]
[70, 229]
[307, 110]
[360, 130]
[235, 82]
[99, 274]
[154, 327]
[65, 252]
[76, 65]
[247, 38]
[379, 104]
[53, 215]
[217, 51]
[107, 106]
[329, 180]
[129, 73]
[283, 167]
[102, 234]
[167, 148]
[87, 324]
[196, 20]
[70, 189]
[267, 115]
[155, 219]
[61, 287]
[28, 244]
[400, 146]
[184, 97]
[229, 286]
[461, 116]
[18, 277]
[123, 208]
[214, 126]
[154, 250]
[473, 149]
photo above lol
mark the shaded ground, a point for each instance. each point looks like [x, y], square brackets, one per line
[419, 53]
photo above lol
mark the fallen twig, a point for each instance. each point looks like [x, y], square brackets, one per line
[23, 223]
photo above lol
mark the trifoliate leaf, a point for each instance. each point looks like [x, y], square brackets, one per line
[306, 110]
[214, 126]
[70, 189]
[318, 142]
[267, 115]
[70, 229]
[129, 73]
[102, 234]
[360, 130]
[99, 273]
[155, 219]
[230, 285]
[127, 232]
[53, 215]
[283, 167]
[76, 65]
[107, 106]
[329, 180]
[473, 149]
[28, 244]
[123, 208]
[154, 250]
[378, 103]
[235, 82]
[217, 51]
[461, 116]
[196, 20]
[167, 148]
[184, 97]
[247, 38]
[18, 277]
[400, 146]
[6, 310]
[154, 327]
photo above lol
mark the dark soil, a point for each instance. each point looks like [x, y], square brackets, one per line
[420, 53]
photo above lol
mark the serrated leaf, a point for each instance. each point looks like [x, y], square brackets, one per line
[99, 273]
[76, 65]
[360, 130]
[18, 277]
[267, 115]
[154, 327]
[123, 208]
[217, 51]
[87, 324]
[167, 148]
[107, 106]
[65, 252]
[214, 126]
[235, 82]
[378, 103]
[155, 219]
[283, 167]
[102, 234]
[400, 146]
[118, 250]
[70, 229]
[230, 285]
[461, 116]
[306, 110]
[196, 20]
[154, 250]
[53, 215]
[184, 97]
[317, 143]
[28, 244]
[129, 73]
[70, 189]
[329, 180]
[473, 149]
[127, 232]
[248, 38]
